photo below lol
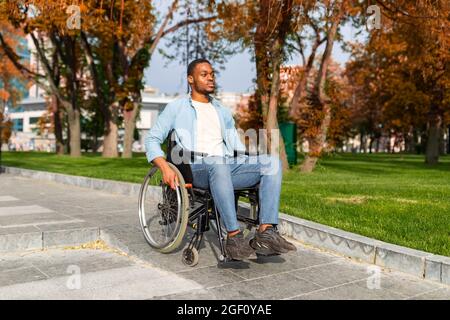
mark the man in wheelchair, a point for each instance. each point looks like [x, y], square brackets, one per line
[203, 125]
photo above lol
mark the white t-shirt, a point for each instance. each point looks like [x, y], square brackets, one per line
[209, 134]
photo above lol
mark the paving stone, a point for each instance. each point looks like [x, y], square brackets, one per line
[262, 266]
[135, 282]
[173, 261]
[7, 199]
[405, 285]
[278, 286]
[93, 264]
[210, 276]
[98, 219]
[15, 230]
[65, 226]
[9, 264]
[309, 257]
[21, 275]
[198, 294]
[22, 210]
[32, 219]
[334, 274]
[436, 294]
[20, 241]
[351, 291]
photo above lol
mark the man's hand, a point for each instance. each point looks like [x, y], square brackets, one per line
[169, 176]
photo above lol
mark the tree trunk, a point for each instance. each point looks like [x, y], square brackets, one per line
[75, 133]
[448, 139]
[272, 121]
[129, 119]
[316, 146]
[362, 142]
[309, 164]
[371, 140]
[67, 142]
[110, 140]
[442, 141]
[262, 61]
[262, 96]
[57, 125]
[434, 135]
[319, 97]
[410, 141]
[389, 144]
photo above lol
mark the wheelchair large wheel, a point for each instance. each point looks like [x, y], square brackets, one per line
[163, 212]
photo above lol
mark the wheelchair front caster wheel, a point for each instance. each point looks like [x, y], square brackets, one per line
[222, 258]
[190, 257]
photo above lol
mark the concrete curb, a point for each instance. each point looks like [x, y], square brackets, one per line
[47, 239]
[124, 188]
[419, 263]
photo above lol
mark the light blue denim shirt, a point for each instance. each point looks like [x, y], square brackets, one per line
[181, 116]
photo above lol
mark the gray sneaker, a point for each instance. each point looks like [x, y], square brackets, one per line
[238, 248]
[270, 242]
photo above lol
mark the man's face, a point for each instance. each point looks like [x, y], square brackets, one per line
[202, 79]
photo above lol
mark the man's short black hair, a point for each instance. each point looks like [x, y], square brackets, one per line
[193, 64]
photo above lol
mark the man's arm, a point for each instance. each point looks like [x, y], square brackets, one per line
[158, 133]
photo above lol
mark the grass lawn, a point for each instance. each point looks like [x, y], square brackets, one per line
[393, 198]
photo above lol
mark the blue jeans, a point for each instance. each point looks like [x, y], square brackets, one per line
[223, 175]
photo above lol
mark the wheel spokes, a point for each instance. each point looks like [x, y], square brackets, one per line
[162, 211]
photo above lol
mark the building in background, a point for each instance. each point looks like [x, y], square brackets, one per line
[25, 116]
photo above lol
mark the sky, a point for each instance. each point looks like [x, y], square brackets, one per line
[236, 77]
[238, 74]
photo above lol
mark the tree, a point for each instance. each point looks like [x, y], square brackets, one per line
[5, 129]
[57, 50]
[12, 81]
[117, 57]
[318, 97]
[264, 29]
[404, 68]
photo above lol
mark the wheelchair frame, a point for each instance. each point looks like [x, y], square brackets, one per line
[200, 217]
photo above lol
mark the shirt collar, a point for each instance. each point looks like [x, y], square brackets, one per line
[213, 100]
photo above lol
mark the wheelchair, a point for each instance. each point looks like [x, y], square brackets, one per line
[165, 213]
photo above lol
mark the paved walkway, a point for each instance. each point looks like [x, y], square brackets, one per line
[137, 272]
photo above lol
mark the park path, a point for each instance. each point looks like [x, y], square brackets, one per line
[127, 268]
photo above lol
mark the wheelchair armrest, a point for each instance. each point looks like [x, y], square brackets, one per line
[237, 153]
[195, 153]
[188, 154]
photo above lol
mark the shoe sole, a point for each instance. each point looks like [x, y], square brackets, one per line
[267, 255]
